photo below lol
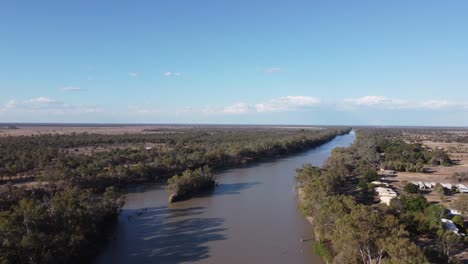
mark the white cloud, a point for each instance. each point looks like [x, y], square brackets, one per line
[11, 104]
[287, 103]
[368, 100]
[239, 108]
[234, 109]
[48, 106]
[280, 104]
[272, 70]
[71, 89]
[383, 102]
[435, 104]
[134, 74]
[38, 102]
[175, 74]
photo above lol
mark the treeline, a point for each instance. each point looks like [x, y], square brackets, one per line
[349, 225]
[449, 135]
[51, 157]
[42, 226]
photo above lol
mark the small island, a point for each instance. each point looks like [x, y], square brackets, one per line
[190, 182]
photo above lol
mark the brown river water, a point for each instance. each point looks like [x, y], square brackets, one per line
[251, 217]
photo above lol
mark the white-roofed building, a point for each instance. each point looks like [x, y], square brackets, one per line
[380, 183]
[454, 212]
[428, 185]
[385, 194]
[449, 225]
[462, 188]
[447, 185]
[421, 186]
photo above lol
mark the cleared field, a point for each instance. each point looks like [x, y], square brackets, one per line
[104, 130]
[29, 130]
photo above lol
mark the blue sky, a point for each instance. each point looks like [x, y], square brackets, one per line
[249, 62]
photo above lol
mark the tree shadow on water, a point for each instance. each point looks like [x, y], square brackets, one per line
[228, 189]
[166, 235]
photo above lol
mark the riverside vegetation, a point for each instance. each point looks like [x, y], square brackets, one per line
[190, 182]
[350, 227]
[72, 180]
[193, 181]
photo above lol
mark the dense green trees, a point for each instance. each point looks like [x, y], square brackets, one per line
[98, 161]
[190, 182]
[402, 156]
[59, 228]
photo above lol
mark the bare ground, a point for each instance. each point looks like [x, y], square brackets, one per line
[28, 130]
[105, 130]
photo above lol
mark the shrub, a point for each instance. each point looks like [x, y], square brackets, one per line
[411, 188]
[458, 220]
[321, 249]
[370, 176]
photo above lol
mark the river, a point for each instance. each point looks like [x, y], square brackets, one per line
[251, 217]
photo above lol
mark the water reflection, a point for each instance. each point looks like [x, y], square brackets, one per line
[229, 189]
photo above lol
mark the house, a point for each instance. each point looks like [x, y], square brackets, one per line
[428, 185]
[447, 185]
[380, 183]
[454, 212]
[421, 185]
[462, 188]
[385, 194]
[386, 199]
[387, 172]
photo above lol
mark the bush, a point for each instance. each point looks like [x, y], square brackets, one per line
[439, 188]
[458, 220]
[322, 250]
[371, 176]
[415, 203]
[411, 188]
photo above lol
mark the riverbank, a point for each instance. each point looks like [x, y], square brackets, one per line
[301, 200]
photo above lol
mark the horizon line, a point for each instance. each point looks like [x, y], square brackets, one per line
[212, 124]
